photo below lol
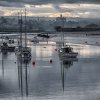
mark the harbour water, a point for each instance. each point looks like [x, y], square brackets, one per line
[76, 80]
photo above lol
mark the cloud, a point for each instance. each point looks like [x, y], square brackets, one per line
[62, 10]
[53, 1]
[83, 8]
[1, 12]
[21, 3]
[11, 4]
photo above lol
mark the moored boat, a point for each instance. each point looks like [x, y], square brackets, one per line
[67, 52]
[6, 47]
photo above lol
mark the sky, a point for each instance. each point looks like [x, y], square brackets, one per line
[51, 8]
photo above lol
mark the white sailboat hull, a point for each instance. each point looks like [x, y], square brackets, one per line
[69, 55]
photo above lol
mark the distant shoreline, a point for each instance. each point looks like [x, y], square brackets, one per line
[93, 33]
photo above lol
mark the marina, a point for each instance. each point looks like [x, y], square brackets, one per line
[44, 79]
[49, 50]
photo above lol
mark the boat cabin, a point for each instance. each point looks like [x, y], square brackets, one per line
[5, 47]
[66, 49]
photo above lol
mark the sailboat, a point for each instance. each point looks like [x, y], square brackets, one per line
[5, 47]
[24, 53]
[66, 52]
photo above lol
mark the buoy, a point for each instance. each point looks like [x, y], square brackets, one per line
[50, 60]
[96, 42]
[33, 62]
[55, 49]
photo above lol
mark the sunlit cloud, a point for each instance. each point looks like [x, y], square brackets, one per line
[69, 5]
[84, 10]
[38, 6]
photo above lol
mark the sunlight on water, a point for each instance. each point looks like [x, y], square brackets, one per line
[89, 51]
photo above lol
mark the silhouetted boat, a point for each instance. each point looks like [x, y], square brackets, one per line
[35, 40]
[43, 35]
[26, 54]
[11, 41]
[6, 47]
[67, 52]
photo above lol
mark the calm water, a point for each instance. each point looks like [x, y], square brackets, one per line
[79, 80]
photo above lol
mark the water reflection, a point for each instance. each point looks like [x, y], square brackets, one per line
[3, 56]
[22, 71]
[5, 53]
[66, 65]
[44, 80]
[2, 65]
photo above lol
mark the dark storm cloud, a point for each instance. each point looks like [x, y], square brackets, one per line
[21, 3]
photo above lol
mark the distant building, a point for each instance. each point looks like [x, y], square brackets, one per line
[60, 20]
[92, 26]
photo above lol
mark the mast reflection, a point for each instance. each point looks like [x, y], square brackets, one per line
[2, 65]
[23, 65]
[26, 79]
[4, 55]
[66, 65]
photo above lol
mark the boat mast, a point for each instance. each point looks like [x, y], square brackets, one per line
[62, 26]
[21, 69]
[21, 32]
[18, 27]
[62, 19]
[25, 30]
